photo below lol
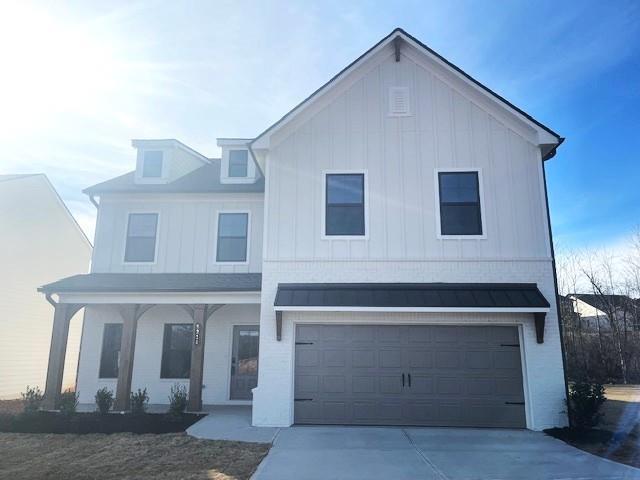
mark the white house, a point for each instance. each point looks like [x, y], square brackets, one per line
[39, 242]
[380, 255]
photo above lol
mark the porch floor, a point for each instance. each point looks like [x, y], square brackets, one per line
[231, 422]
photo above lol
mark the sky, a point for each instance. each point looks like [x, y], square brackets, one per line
[81, 79]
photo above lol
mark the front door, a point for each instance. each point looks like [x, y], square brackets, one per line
[244, 361]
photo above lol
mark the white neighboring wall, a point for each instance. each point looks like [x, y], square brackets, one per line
[39, 242]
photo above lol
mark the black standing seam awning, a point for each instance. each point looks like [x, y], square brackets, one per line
[478, 297]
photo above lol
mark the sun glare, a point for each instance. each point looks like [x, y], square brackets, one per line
[50, 67]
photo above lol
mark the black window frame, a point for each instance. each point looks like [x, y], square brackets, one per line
[233, 237]
[165, 367]
[244, 165]
[328, 206]
[477, 203]
[129, 236]
[144, 163]
[106, 370]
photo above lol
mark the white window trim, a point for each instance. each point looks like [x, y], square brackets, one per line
[323, 205]
[215, 243]
[483, 216]
[140, 167]
[224, 167]
[126, 234]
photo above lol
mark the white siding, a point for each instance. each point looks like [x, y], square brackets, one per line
[39, 243]
[148, 351]
[187, 232]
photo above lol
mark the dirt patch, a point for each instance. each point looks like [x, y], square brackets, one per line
[620, 447]
[126, 456]
[83, 423]
[11, 406]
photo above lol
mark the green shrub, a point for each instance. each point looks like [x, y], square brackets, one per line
[139, 401]
[68, 402]
[585, 401]
[177, 400]
[104, 400]
[32, 399]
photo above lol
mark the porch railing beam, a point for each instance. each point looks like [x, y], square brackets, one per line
[197, 357]
[130, 315]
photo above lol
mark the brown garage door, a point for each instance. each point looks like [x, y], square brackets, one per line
[408, 375]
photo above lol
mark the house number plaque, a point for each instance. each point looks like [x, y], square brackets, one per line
[196, 334]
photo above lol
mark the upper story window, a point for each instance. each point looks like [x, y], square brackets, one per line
[141, 237]
[152, 164]
[232, 237]
[344, 204]
[110, 357]
[176, 350]
[460, 209]
[238, 163]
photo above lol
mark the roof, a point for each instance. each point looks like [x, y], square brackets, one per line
[6, 178]
[399, 32]
[415, 295]
[156, 282]
[604, 302]
[205, 179]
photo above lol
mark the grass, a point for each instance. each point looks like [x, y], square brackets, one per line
[126, 456]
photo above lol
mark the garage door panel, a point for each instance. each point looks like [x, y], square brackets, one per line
[460, 375]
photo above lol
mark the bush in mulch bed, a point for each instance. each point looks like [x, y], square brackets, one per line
[54, 422]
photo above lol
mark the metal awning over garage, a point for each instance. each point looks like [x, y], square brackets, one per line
[413, 297]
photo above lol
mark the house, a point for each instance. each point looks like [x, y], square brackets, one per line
[381, 255]
[39, 242]
[593, 311]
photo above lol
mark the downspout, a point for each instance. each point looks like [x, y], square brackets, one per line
[92, 199]
[555, 288]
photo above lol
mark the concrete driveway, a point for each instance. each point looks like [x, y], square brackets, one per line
[429, 453]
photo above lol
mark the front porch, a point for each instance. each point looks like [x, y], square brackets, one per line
[169, 328]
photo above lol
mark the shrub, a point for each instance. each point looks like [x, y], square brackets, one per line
[585, 400]
[177, 400]
[68, 402]
[139, 401]
[32, 399]
[104, 400]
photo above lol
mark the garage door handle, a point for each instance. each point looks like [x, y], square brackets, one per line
[514, 403]
[409, 375]
[403, 380]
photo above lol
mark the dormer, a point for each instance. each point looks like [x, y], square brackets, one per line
[236, 164]
[162, 161]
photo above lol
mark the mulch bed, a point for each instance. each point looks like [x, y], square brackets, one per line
[126, 456]
[84, 423]
[619, 447]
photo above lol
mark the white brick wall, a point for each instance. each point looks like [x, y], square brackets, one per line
[148, 352]
[543, 376]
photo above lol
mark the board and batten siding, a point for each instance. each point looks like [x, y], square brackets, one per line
[400, 155]
[187, 232]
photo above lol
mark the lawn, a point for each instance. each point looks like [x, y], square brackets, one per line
[125, 455]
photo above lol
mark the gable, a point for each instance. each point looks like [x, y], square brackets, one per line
[401, 46]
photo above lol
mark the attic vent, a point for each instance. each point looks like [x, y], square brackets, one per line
[399, 101]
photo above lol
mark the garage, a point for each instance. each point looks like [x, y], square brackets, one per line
[421, 375]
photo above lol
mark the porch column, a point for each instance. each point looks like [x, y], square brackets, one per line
[127, 347]
[57, 352]
[197, 358]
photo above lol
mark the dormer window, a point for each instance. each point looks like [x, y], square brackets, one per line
[152, 164]
[238, 163]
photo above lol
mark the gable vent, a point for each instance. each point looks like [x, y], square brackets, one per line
[399, 101]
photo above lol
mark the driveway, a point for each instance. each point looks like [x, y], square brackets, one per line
[429, 453]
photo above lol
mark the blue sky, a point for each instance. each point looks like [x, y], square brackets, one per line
[81, 79]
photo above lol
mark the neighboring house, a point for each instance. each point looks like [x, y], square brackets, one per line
[380, 255]
[39, 242]
[593, 311]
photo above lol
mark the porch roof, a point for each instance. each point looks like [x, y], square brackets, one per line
[155, 282]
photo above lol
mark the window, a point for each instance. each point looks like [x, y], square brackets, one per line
[238, 163]
[110, 358]
[176, 350]
[232, 237]
[344, 208]
[460, 212]
[141, 237]
[152, 164]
